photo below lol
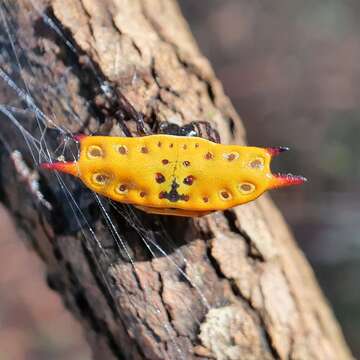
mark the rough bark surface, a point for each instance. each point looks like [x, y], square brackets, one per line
[264, 300]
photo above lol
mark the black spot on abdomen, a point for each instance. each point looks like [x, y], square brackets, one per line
[173, 195]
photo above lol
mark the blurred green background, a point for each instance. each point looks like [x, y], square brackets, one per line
[292, 70]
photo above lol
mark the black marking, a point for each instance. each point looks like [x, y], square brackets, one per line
[173, 194]
[189, 180]
[159, 178]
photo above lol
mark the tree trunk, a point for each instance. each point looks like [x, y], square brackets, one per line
[262, 301]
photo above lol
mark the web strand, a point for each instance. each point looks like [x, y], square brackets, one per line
[39, 149]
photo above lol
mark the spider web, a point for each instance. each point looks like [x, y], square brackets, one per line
[48, 141]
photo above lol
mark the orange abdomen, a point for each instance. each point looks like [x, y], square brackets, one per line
[174, 175]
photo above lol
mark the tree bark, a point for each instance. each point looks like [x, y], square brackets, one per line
[264, 302]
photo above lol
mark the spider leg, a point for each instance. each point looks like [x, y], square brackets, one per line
[121, 117]
[211, 133]
[197, 127]
[123, 110]
[133, 114]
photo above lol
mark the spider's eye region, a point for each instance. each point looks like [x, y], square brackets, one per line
[246, 188]
[95, 151]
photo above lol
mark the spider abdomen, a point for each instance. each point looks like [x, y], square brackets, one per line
[175, 175]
